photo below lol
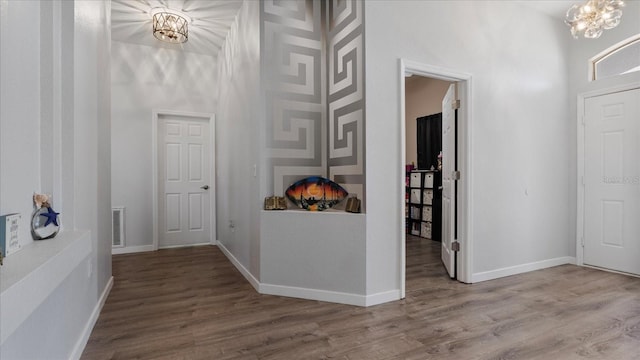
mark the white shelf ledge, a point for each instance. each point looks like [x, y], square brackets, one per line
[29, 276]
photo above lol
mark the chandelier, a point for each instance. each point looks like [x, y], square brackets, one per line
[170, 27]
[594, 17]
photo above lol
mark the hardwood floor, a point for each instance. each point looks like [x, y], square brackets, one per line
[191, 303]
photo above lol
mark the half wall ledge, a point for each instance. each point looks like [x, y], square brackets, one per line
[314, 255]
[29, 276]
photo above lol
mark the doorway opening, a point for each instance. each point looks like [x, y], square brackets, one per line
[424, 187]
[436, 192]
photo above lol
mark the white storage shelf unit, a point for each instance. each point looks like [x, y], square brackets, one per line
[419, 208]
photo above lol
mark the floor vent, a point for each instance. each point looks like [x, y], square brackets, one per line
[117, 225]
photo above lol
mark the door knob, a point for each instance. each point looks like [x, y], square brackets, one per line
[206, 187]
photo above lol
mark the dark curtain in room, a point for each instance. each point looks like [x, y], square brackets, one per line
[429, 140]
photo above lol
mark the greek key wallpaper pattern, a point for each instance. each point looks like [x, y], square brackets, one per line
[313, 74]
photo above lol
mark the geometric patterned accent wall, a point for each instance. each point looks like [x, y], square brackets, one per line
[312, 76]
[345, 101]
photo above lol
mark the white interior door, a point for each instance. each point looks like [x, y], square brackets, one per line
[448, 182]
[183, 181]
[612, 181]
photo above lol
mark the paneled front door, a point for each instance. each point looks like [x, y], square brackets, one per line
[183, 181]
[612, 181]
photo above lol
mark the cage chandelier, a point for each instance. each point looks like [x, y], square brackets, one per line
[593, 17]
[170, 26]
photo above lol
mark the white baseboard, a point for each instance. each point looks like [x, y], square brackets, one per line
[186, 245]
[246, 273]
[519, 269]
[86, 332]
[131, 249]
[310, 294]
[383, 297]
[313, 294]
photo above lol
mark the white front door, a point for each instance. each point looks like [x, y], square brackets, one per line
[612, 181]
[183, 181]
[448, 182]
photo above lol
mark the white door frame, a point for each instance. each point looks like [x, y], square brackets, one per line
[464, 199]
[596, 88]
[212, 168]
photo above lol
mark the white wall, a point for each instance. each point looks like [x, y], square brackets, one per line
[20, 111]
[103, 111]
[519, 132]
[92, 166]
[239, 121]
[581, 50]
[54, 138]
[144, 79]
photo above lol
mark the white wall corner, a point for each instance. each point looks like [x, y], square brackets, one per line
[243, 270]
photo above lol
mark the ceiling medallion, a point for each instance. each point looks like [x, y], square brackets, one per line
[594, 17]
[170, 26]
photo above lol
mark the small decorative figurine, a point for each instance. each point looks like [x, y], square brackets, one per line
[39, 199]
[45, 222]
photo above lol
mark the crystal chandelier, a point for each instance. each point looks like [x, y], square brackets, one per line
[170, 27]
[593, 17]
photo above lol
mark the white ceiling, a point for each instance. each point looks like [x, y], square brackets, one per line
[212, 19]
[131, 20]
[554, 8]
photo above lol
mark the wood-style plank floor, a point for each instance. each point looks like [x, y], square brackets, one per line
[192, 303]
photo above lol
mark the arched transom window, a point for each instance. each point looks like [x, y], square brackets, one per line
[622, 58]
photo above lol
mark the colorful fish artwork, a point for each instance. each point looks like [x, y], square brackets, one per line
[315, 193]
